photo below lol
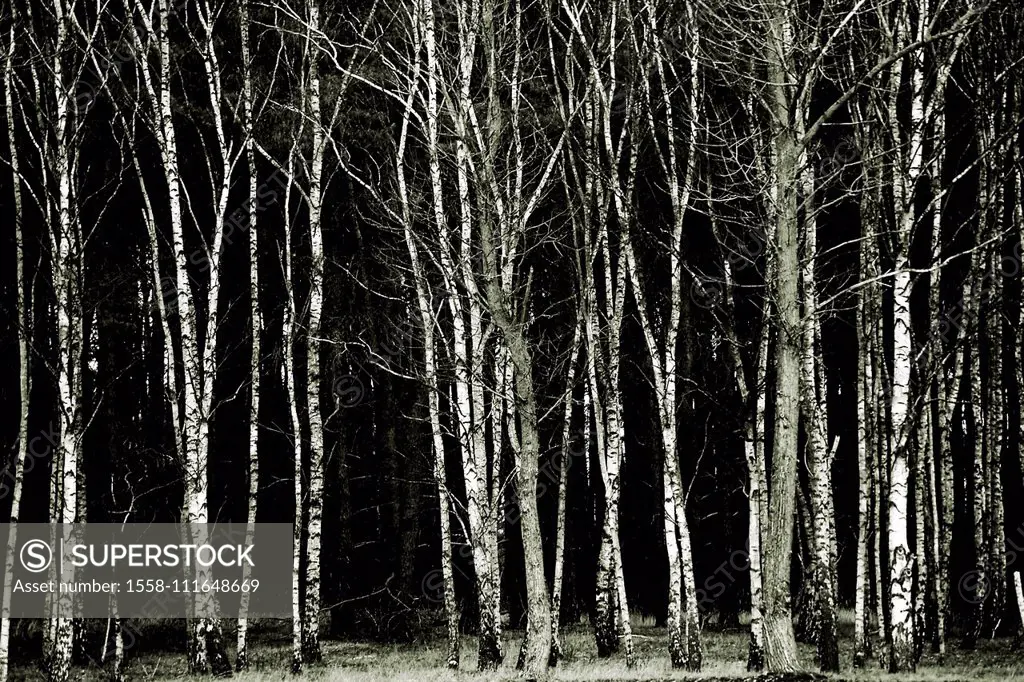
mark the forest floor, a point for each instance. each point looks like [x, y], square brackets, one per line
[724, 660]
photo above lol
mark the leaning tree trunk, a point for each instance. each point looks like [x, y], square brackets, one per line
[685, 647]
[437, 446]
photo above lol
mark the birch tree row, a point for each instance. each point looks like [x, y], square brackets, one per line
[587, 213]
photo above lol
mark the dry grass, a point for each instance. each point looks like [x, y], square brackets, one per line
[725, 655]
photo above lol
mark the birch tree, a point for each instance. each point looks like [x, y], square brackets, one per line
[909, 168]
[683, 620]
[13, 473]
[563, 492]
[466, 339]
[607, 195]
[195, 339]
[56, 138]
[504, 221]
[427, 318]
[314, 199]
[825, 608]
[255, 329]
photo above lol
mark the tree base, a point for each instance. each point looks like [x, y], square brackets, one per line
[311, 652]
[490, 656]
[791, 677]
[755, 657]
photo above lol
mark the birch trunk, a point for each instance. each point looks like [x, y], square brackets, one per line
[902, 637]
[311, 619]
[1017, 212]
[995, 424]
[823, 571]
[563, 493]
[255, 331]
[421, 25]
[861, 616]
[942, 503]
[13, 475]
[66, 268]
[437, 443]
[288, 339]
[922, 549]
[868, 537]
[465, 420]
[755, 454]
[974, 416]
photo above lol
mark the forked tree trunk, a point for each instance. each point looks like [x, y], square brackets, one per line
[537, 638]
[192, 424]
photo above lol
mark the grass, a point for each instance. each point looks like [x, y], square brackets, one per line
[724, 659]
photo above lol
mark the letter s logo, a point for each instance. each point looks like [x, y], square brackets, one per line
[36, 556]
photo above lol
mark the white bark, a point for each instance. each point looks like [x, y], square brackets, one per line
[311, 628]
[255, 331]
[563, 492]
[467, 422]
[684, 627]
[66, 266]
[901, 561]
[13, 475]
[427, 320]
[288, 340]
[815, 411]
